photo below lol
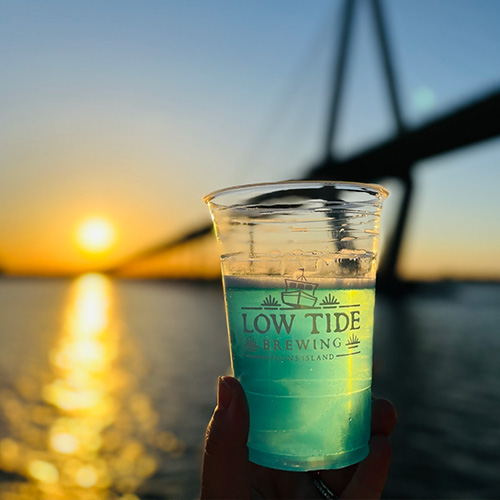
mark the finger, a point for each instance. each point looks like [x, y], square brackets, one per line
[383, 417]
[369, 477]
[225, 460]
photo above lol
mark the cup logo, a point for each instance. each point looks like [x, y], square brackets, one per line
[302, 321]
[299, 293]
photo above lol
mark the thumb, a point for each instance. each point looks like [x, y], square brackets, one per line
[226, 472]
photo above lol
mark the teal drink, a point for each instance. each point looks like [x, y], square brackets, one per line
[304, 358]
[298, 263]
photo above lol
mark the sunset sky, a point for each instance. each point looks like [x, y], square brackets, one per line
[129, 112]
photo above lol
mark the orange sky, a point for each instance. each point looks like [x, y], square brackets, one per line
[135, 114]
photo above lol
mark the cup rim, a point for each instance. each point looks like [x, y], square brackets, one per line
[375, 189]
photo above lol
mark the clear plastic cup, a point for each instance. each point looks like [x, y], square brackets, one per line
[298, 262]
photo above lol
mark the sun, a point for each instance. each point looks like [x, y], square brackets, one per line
[95, 235]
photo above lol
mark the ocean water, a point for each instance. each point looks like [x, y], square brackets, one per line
[106, 387]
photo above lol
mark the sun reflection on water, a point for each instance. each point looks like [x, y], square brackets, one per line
[83, 430]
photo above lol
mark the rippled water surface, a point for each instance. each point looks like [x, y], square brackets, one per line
[107, 386]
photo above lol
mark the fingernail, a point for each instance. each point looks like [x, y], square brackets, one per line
[224, 394]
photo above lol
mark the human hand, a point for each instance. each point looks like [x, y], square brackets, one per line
[228, 474]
